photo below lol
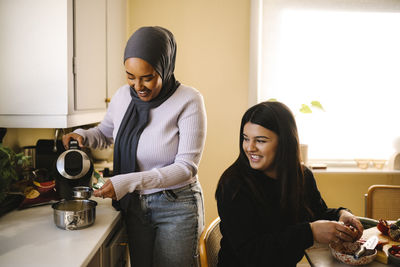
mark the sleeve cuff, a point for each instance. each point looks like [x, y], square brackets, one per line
[123, 185]
[338, 212]
[309, 237]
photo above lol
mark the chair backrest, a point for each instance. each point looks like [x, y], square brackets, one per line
[383, 202]
[210, 244]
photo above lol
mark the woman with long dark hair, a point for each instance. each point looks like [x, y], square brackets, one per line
[268, 202]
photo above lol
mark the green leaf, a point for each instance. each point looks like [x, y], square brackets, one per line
[9, 161]
[305, 109]
[272, 100]
[317, 104]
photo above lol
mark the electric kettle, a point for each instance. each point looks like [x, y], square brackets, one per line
[73, 168]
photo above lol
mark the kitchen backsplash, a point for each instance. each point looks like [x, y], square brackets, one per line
[16, 138]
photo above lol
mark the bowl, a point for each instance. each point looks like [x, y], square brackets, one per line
[379, 163]
[363, 163]
[349, 259]
[82, 192]
[44, 187]
[393, 259]
[43, 181]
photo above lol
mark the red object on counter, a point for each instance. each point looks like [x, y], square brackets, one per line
[383, 226]
[395, 250]
[44, 186]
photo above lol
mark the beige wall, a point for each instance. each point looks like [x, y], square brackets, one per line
[213, 47]
[213, 57]
[17, 138]
[348, 189]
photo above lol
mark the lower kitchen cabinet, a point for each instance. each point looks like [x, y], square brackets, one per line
[96, 260]
[114, 250]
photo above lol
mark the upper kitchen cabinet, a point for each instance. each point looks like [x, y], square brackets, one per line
[59, 61]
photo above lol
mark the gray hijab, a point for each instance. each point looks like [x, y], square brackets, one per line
[157, 47]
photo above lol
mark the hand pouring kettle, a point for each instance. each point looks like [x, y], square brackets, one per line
[73, 168]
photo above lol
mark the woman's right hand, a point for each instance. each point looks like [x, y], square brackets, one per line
[332, 231]
[66, 138]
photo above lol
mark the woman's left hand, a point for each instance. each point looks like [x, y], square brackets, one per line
[106, 191]
[349, 219]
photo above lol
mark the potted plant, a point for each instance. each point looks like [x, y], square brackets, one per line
[306, 109]
[10, 165]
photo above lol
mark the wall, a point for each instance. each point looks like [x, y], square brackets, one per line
[348, 189]
[213, 55]
[213, 48]
[17, 138]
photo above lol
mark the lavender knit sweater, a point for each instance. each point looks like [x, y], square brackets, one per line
[169, 148]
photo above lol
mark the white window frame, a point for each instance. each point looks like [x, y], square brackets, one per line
[256, 46]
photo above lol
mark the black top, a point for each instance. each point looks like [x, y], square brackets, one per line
[257, 235]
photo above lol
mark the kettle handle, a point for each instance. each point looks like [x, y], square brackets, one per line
[73, 144]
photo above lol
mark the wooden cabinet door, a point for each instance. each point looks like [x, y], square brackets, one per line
[34, 57]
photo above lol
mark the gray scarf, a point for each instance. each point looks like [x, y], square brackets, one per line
[157, 47]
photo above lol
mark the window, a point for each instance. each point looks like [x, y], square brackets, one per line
[344, 54]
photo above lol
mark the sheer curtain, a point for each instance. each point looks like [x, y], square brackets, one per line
[345, 54]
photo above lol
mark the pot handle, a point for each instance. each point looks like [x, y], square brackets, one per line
[72, 221]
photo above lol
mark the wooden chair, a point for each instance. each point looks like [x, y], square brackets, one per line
[383, 202]
[210, 244]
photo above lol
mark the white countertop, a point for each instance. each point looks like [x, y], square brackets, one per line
[30, 237]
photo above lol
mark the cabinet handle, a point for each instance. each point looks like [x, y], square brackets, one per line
[107, 100]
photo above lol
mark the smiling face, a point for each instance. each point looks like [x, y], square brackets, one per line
[143, 78]
[260, 146]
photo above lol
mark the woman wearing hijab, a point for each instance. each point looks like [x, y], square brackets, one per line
[158, 127]
[269, 204]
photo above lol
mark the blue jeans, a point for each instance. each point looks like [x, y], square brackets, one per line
[164, 228]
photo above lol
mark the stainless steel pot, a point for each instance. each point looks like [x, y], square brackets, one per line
[74, 214]
[82, 192]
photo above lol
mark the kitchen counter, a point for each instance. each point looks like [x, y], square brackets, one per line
[30, 237]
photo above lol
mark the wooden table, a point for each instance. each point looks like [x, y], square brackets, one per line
[319, 255]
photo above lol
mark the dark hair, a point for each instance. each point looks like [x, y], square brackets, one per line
[277, 117]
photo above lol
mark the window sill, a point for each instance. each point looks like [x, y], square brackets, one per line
[355, 170]
[347, 166]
